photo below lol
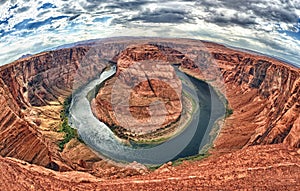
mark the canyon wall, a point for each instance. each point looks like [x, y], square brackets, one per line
[264, 95]
[26, 83]
[29, 84]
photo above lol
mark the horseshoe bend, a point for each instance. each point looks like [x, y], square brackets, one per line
[255, 142]
[136, 86]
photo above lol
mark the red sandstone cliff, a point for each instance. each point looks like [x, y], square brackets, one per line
[264, 94]
[34, 82]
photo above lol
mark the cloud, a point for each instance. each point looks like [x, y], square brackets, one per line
[23, 9]
[235, 19]
[27, 24]
[131, 5]
[46, 6]
[2, 2]
[111, 5]
[252, 24]
[252, 13]
[163, 16]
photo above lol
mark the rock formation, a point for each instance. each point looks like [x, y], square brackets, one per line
[264, 95]
[145, 93]
[28, 88]
[257, 147]
[271, 167]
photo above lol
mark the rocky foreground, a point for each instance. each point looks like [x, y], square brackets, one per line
[272, 167]
[256, 148]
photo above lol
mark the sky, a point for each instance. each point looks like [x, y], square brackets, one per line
[267, 26]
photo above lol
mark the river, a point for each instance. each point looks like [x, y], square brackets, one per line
[189, 142]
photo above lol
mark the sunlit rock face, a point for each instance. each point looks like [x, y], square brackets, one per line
[264, 95]
[30, 91]
[145, 93]
[35, 82]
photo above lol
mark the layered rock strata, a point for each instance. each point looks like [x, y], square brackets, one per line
[145, 93]
[263, 93]
[34, 88]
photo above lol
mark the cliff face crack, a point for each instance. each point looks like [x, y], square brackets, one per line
[150, 85]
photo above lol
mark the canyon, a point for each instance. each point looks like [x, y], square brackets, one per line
[257, 146]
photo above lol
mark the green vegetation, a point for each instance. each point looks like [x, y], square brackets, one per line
[190, 158]
[153, 142]
[153, 168]
[69, 132]
[180, 160]
[229, 112]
